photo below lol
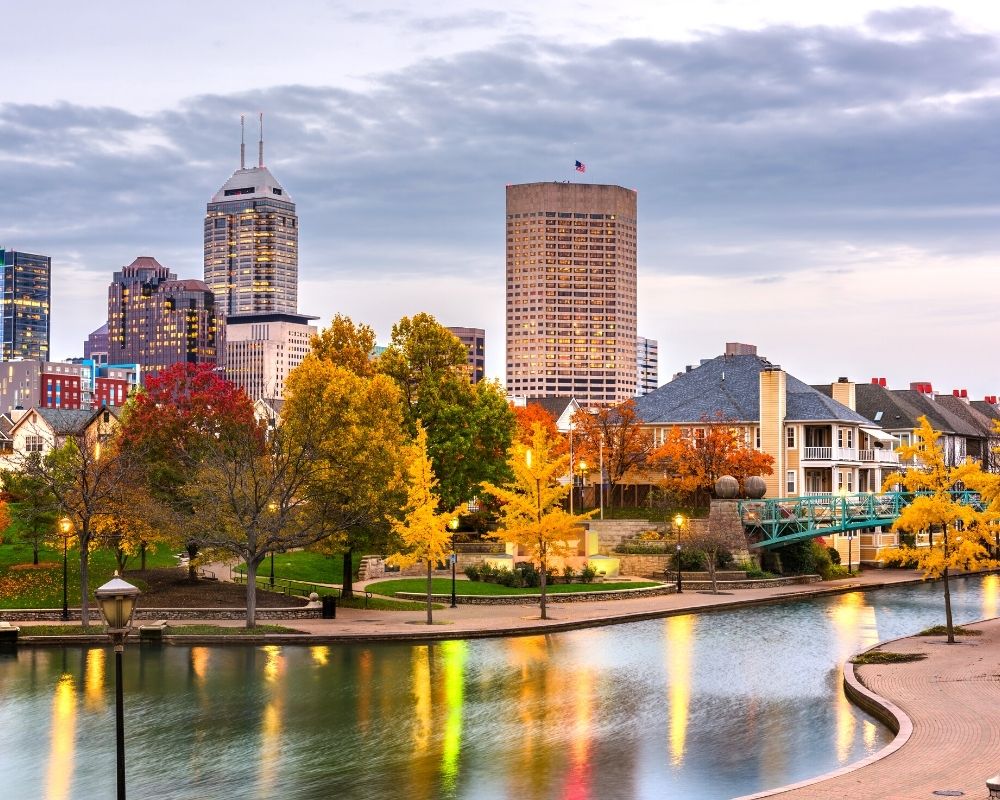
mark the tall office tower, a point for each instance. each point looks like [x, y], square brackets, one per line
[261, 349]
[25, 298]
[647, 365]
[95, 346]
[571, 293]
[156, 320]
[251, 243]
[474, 340]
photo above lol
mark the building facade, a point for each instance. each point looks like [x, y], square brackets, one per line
[75, 385]
[156, 320]
[95, 346]
[474, 340]
[261, 349]
[571, 291]
[647, 365]
[251, 244]
[24, 305]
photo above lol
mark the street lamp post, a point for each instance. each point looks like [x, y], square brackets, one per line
[454, 560]
[117, 600]
[65, 526]
[679, 524]
[272, 507]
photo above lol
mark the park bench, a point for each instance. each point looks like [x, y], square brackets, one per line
[152, 631]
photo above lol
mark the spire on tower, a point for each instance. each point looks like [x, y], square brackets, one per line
[260, 145]
[243, 146]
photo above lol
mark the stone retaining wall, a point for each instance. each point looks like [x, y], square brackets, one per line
[532, 599]
[55, 614]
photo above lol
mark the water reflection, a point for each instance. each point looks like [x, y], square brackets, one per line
[991, 596]
[707, 706]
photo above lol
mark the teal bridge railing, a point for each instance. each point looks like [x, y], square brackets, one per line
[780, 521]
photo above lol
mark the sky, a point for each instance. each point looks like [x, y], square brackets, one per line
[821, 180]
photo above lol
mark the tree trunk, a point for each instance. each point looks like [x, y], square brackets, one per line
[947, 593]
[430, 601]
[710, 563]
[34, 552]
[192, 551]
[542, 577]
[142, 556]
[347, 592]
[251, 593]
[84, 579]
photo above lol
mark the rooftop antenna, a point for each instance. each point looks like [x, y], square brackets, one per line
[260, 145]
[243, 146]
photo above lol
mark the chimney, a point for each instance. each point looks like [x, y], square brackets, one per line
[881, 382]
[843, 391]
[922, 386]
[965, 394]
[956, 393]
[875, 382]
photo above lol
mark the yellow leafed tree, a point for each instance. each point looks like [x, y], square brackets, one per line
[531, 514]
[423, 530]
[939, 506]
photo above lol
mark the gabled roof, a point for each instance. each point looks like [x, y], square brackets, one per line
[728, 387]
[64, 422]
[940, 417]
[986, 409]
[973, 418]
[556, 406]
[890, 409]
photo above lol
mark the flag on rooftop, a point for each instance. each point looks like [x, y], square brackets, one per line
[581, 167]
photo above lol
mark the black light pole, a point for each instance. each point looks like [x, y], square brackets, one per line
[454, 560]
[64, 527]
[117, 600]
[679, 523]
[272, 568]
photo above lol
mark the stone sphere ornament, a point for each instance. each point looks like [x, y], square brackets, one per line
[755, 487]
[727, 487]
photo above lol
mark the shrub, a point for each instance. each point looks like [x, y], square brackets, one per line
[526, 575]
[472, 572]
[798, 558]
[691, 560]
[568, 573]
[753, 571]
[822, 563]
[506, 577]
[587, 574]
[834, 554]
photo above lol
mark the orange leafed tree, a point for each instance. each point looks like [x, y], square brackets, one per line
[615, 436]
[526, 417]
[692, 465]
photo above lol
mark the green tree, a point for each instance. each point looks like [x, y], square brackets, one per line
[531, 513]
[33, 506]
[469, 428]
[936, 507]
[424, 531]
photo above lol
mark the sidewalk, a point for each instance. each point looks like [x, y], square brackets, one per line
[953, 701]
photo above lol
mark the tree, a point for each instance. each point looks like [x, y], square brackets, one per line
[357, 425]
[87, 475]
[33, 506]
[424, 530]
[532, 515]
[691, 466]
[130, 524]
[615, 436]
[936, 507]
[346, 345]
[710, 543]
[469, 427]
[527, 416]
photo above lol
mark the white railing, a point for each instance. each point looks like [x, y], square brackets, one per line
[866, 455]
[817, 453]
[887, 456]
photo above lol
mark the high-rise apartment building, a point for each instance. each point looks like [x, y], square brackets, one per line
[474, 340]
[95, 346]
[251, 243]
[156, 320]
[647, 365]
[24, 305]
[571, 291]
[261, 349]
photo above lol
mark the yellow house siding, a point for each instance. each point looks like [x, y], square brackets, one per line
[772, 426]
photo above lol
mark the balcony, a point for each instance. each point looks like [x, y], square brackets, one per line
[829, 454]
[879, 456]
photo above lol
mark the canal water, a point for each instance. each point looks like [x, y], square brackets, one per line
[708, 706]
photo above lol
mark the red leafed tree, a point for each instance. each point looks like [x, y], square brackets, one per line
[527, 416]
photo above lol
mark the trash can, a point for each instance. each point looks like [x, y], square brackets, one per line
[329, 606]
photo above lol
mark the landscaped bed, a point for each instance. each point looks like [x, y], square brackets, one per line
[441, 586]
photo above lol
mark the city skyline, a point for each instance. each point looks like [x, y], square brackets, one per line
[835, 165]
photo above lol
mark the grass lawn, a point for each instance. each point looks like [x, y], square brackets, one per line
[23, 585]
[301, 565]
[443, 586]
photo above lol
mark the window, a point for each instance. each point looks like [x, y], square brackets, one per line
[790, 481]
[790, 437]
[33, 444]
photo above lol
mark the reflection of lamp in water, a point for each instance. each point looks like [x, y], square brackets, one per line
[117, 600]
[454, 558]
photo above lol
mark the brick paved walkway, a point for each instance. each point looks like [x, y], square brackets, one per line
[953, 701]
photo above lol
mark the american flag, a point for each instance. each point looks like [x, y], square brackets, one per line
[581, 167]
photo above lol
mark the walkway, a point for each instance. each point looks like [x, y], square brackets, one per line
[953, 701]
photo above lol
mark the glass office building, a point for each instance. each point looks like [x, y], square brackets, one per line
[26, 299]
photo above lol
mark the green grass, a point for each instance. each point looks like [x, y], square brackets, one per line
[301, 565]
[384, 604]
[443, 586]
[882, 657]
[942, 630]
[41, 587]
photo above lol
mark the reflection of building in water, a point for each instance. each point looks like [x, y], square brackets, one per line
[855, 629]
[679, 642]
[60, 772]
[272, 723]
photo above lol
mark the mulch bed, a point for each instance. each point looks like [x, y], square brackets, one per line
[170, 588]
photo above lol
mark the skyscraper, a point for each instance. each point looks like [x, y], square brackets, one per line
[155, 320]
[251, 243]
[647, 365]
[474, 340]
[25, 299]
[261, 349]
[571, 291]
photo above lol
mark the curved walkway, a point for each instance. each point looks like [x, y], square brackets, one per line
[953, 701]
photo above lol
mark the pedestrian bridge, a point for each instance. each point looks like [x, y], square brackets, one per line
[782, 520]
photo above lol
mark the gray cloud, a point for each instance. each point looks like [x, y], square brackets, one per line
[753, 152]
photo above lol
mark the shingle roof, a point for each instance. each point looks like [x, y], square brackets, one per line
[986, 409]
[901, 409]
[728, 387]
[976, 421]
[65, 421]
[556, 406]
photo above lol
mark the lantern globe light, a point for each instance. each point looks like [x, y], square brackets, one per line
[65, 526]
[454, 524]
[679, 520]
[117, 600]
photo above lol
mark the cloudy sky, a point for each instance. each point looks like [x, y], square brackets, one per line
[819, 179]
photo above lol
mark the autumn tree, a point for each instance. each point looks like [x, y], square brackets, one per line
[614, 436]
[423, 530]
[965, 530]
[529, 415]
[34, 508]
[357, 425]
[531, 513]
[346, 344]
[469, 427]
[692, 465]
